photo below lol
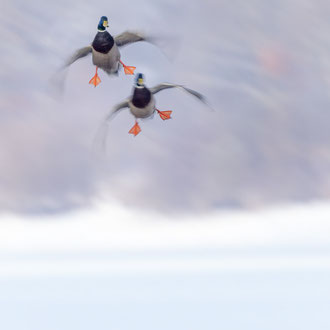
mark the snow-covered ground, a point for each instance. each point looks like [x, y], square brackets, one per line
[114, 268]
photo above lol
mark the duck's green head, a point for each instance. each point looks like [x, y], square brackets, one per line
[139, 80]
[103, 24]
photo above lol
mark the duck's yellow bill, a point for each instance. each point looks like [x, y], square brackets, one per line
[140, 81]
[105, 24]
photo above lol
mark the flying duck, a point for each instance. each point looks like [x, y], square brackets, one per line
[105, 52]
[142, 102]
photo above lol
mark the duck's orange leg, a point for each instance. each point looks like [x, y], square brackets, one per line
[128, 69]
[135, 130]
[164, 114]
[96, 79]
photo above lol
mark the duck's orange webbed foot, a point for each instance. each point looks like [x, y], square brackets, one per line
[128, 69]
[96, 79]
[135, 130]
[164, 114]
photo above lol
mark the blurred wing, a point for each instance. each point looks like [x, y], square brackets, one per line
[82, 52]
[129, 37]
[116, 108]
[101, 136]
[162, 86]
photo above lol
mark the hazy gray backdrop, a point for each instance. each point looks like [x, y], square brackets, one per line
[264, 66]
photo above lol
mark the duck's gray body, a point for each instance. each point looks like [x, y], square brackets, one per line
[145, 112]
[108, 62]
[142, 102]
[105, 53]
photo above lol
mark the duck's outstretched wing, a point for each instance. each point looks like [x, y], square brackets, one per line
[128, 37]
[116, 108]
[162, 86]
[82, 52]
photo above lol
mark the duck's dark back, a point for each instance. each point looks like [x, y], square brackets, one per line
[103, 42]
[141, 97]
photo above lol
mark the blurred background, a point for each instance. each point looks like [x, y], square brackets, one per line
[213, 219]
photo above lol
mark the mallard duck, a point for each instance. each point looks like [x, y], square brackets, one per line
[105, 52]
[142, 102]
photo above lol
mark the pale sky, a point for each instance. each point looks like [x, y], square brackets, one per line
[262, 65]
